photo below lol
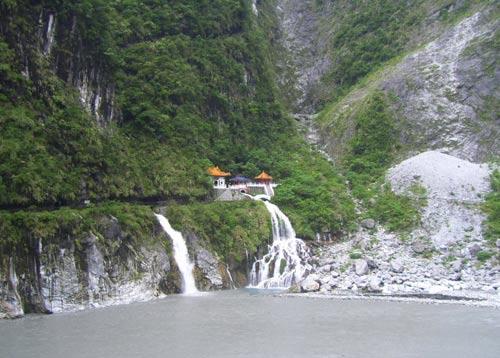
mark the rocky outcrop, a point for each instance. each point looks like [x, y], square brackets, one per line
[305, 47]
[102, 267]
[10, 301]
[442, 95]
[209, 270]
[445, 253]
[94, 269]
[54, 41]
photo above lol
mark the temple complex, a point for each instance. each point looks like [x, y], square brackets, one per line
[235, 187]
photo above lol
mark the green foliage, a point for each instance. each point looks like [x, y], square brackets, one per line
[370, 152]
[483, 256]
[369, 33]
[230, 228]
[491, 207]
[17, 228]
[355, 255]
[371, 149]
[314, 196]
[374, 32]
[397, 212]
[195, 86]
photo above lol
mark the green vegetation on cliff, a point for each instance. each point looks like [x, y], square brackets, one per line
[18, 228]
[492, 208]
[368, 33]
[231, 229]
[369, 153]
[194, 85]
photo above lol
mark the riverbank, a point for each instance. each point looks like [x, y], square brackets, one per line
[467, 298]
[247, 323]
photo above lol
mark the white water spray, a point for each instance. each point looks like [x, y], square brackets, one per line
[51, 27]
[286, 262]
[180, 255]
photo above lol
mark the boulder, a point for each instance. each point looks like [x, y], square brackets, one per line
[310, 284]
[397, 266]
[368, 223]
[361, 282]
[326, 268]
[361, 267]
[374, 284]
[474, 249]
[371, 264]
[457, 276]
[498, 243]
[419, 247]
[209, 266]
[457, 265]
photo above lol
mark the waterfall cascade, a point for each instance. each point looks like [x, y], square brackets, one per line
[181, 256]
[286, 261]
[51, 27]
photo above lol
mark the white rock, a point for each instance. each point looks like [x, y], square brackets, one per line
[310, 284]
[396, 266]
[448, 182]
[361, 267]
[326, 268]
[436, 289]
[456, 266]
[375, 284]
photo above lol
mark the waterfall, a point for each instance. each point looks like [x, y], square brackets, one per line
[254, 8]
[180, 255]
[286, 261]
[51, 27]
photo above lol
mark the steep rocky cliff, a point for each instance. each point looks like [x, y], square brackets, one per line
[91, 258]
[132, 101]
[443, 94]
[373, 83]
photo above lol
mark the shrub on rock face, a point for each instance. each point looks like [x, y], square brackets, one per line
[355, 255]
[483, 256]
[492, 208]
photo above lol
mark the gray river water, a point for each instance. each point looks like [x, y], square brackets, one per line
[245, 324]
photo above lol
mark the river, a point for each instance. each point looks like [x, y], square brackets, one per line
[245, 323]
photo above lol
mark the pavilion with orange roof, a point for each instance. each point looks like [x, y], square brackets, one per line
[219, 176]
[264, 178]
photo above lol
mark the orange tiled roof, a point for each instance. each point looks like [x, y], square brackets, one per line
[216, 172]
[264, 176]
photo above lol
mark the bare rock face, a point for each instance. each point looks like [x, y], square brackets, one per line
[443, 94]
[10, 301]
[444, 89]
[305, 57]
[71, 273]
[210, 269]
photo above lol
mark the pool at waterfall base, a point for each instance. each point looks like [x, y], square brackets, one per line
[257, 323]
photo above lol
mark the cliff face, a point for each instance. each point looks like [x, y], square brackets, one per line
[377, 82]
[442, 95]
[435, 60]
[71, 272]
[70, 259]
[54, 38]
